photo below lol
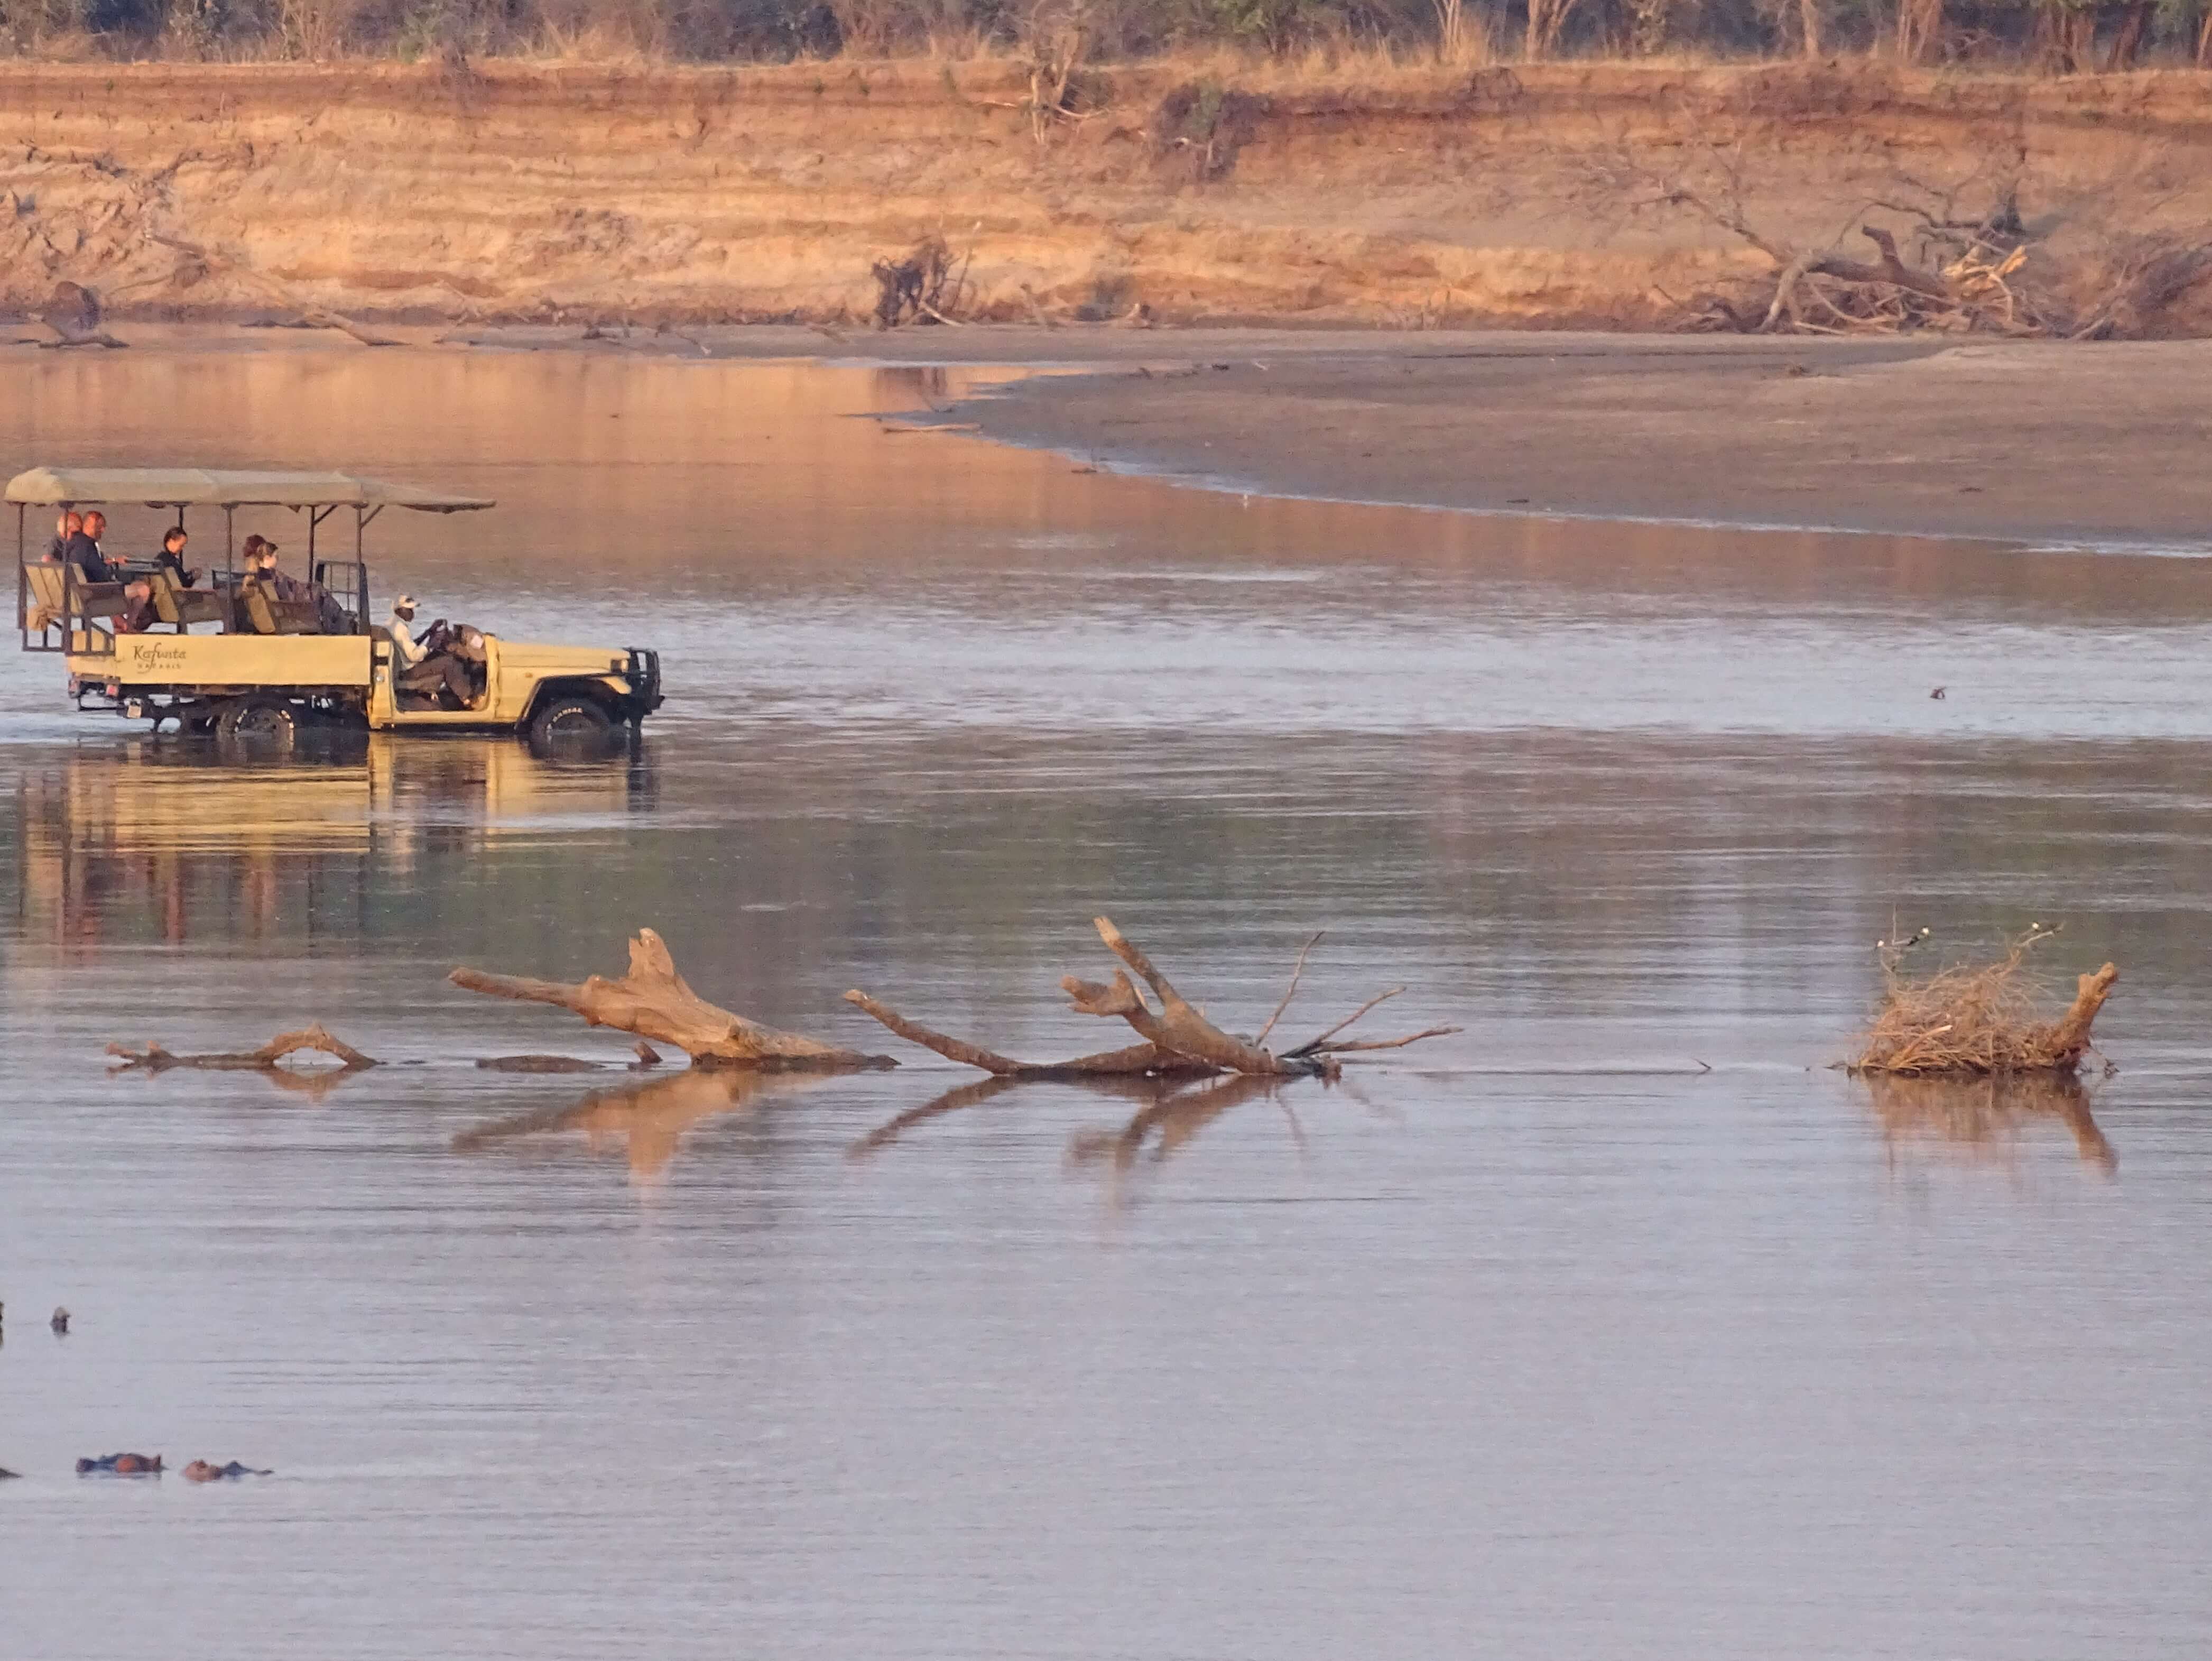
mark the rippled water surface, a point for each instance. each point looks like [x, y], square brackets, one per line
[1537, 1339]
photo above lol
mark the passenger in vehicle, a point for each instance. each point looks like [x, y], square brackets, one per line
[170, 559]
[92, 566]
[85, 552]
[417, 670]
[261, 567]
[65, 527]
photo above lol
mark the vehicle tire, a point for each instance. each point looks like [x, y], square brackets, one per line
[571, 724]
[261, 725]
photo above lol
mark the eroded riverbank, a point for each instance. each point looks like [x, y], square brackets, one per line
[1531, 195]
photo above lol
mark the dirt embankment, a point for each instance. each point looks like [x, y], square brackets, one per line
[1507, 195]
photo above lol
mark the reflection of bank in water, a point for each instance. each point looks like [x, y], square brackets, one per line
[1985, 1117]
[161, 840]
[645, 1121]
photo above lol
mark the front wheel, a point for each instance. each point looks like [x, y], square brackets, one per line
[570, 726]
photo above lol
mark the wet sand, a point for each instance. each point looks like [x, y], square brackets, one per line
[2034, 442]
[2029, 441]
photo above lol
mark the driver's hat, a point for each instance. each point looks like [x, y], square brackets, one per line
[404, 603]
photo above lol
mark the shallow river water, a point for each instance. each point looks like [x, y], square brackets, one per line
[1616, 1326]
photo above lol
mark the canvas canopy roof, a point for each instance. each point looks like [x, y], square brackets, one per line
[195, 487]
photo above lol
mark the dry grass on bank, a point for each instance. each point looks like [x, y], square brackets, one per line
[1971, 1020]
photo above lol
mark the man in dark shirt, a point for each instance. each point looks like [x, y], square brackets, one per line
[85, 553]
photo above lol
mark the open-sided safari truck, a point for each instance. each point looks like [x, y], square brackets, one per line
[228, 655]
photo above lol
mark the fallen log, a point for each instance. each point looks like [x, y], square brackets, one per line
[154, 1058]
[654, 1001]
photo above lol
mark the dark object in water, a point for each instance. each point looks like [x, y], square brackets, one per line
[10, 1475]
[60, 1323]
[537, 1064]
[200, 1471]
[121, 1464]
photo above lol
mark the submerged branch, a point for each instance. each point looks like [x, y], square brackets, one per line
[154, 1058]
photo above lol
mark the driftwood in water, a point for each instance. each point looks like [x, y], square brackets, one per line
[1135, 1060]
[1179, 1041]
[153, 1058]
[648, 1057]
[1967, 1020]
[654, 1001]
[1181, 1027]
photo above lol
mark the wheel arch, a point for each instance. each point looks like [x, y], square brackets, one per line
[566, 686]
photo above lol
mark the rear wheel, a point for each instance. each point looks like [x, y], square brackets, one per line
[571, 725]
[259, 726]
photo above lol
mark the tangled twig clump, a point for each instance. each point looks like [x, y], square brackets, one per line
[922, 287]
[1976, 1019]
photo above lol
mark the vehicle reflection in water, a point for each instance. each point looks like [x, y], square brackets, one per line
[646, 1119]
[164, 841]
[1985, 1119]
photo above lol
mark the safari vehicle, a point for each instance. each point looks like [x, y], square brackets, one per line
[263, 667]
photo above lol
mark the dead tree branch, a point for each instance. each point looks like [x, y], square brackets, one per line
[1179, 1040]
[237, 266]
[654, 1001]
[1297, 972]
[1136, 1060]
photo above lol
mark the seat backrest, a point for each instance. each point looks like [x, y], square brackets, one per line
[166, 589]
[267, 615]
[175, 604]
[254, 600]
[43, 607]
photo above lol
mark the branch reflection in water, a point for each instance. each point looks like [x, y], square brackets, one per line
[1170, 1112]
[649, 1117]
[1985, 1117]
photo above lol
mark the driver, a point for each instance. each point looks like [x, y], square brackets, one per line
[417, 669]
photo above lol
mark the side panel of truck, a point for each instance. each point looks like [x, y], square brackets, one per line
[231, 661]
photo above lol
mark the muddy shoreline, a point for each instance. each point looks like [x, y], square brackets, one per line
[2027, 442]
